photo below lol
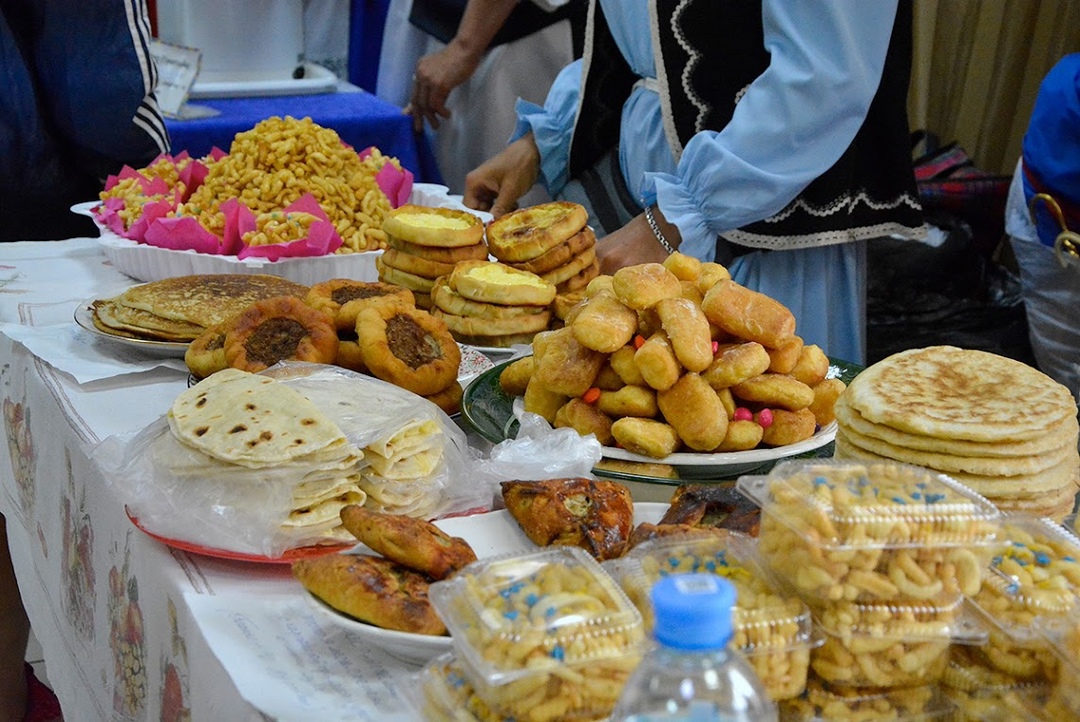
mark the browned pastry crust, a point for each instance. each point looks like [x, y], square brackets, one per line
[717, 505]
[408, 347]
[561, 254]
[645, 531]
[206, 354]
[342, 298]
[594, 514]
[527, 233]
[477, 252]
[449, 399]
[279, 329]
[414, 543]
[373, 590]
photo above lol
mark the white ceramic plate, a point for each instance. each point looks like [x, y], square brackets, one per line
[150, 263]
[84, 316]
[489, 534]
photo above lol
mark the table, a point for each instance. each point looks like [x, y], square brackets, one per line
[360, 118]
[131, 629]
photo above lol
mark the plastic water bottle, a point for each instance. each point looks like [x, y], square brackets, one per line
[691, 675]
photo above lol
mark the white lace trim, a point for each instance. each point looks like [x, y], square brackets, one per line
[825, 238]
[844, 205]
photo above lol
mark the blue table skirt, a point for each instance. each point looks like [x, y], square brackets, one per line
[360, 118]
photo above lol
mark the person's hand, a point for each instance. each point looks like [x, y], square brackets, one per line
[634, 243]
[497, 185]
[436, 75]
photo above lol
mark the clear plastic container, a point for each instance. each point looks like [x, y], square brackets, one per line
[983, 694]
[822, 703]
[871, 532]
[693, 674]
[1033, 579]
[442, 693]
[542, 636]
[1063, 637]
[774, 631]
[889, 645]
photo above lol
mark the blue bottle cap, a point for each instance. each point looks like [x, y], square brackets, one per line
[693, 611]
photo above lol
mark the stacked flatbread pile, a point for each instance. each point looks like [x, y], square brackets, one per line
[551, 240]
[179, 309]
[400, 472]
[239, 423]
[426, 243]
[485, 303]
[997, 425]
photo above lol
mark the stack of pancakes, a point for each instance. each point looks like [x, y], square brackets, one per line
[179, 309]
[997, 425]
[426, 243]
[551, 240]
[486, 303]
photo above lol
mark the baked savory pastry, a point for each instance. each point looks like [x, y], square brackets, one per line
[407, 347]
[373, 590]
[594, 514]
[414, 543]
[528, 233]
[645, 531]
[279, 329]
[206, 354]
[438, 227]
[718, 505]
[342, 298]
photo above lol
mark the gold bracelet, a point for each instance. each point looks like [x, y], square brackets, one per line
[656, 231]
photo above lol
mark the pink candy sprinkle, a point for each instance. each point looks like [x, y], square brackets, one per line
[764, 418]
[715, 346]
[744, 414]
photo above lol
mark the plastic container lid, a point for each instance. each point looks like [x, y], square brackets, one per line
[763, 618]
[521, 615]
[941, 620]
[441, 692]
[693, 611]
[872, 505]
[821, 703]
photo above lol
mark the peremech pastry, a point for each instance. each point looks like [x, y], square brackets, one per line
[407, 347]
[279, 329]
[343, 297]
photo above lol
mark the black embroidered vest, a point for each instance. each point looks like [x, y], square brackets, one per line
[869, 192]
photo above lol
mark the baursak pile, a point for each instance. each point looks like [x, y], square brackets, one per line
[1001, 427]
[663, 357]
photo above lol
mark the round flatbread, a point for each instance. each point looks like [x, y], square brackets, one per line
[477, 252]
[450, 301]
[561, 254]
[956, 393]
[475, 326]
[572, 268]
[440, 227]
[530, 232]
[491, 282]
[416, 284]
[415, 265]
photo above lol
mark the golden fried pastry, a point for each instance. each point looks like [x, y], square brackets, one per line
[564, 302]
[607, 380]
[684, 267]
[450, 301]
[742, 435]
[493, 282]
[373, 590]
[585, 419]
[543, 401]
[686, 326]
[416, 265]
[775, 390]
[417, 284]
[580, 280]
[748, 314]
[622, 362]
[408, 347]
[481, 326]
[511, 339]
[629, 401]
[735, 363]
[788, 427]
[439, 227]
[573, 267]
[728, 401]
[414, 543]
[645, 436]
[826, 392]
[449, 399]
[716, 505]
[782, 360]
[604, 324]
[645, 285]
[342, 298]
[565, 366]
[514, 378]
[598, 284]
[530, 232]
[694, 410]
[561, 254]
[349, 355]
[593, 514]
[279, 329]
[206, 354]
[812, 366]
[711, 274]
[656, 362]
[691, 293]
[477, 252]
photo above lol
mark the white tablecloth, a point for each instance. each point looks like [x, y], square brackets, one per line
[131, 629]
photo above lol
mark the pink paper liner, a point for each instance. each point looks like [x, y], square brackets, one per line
[322, 238]
[395, 184]
[108, 215]
[182, 234]
[150, 213]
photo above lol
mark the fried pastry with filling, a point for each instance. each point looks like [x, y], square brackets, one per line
[594, 514]
[279, 329]
[343, 297]
[206, 354]
[407, 347]
[414, 543]
[373, 590]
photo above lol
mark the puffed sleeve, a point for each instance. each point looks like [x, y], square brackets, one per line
[552, 125]
[794, 121]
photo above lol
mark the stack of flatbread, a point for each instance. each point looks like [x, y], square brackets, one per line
[400, 472]
[179, 309]
[243, 426]
[997, 425]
